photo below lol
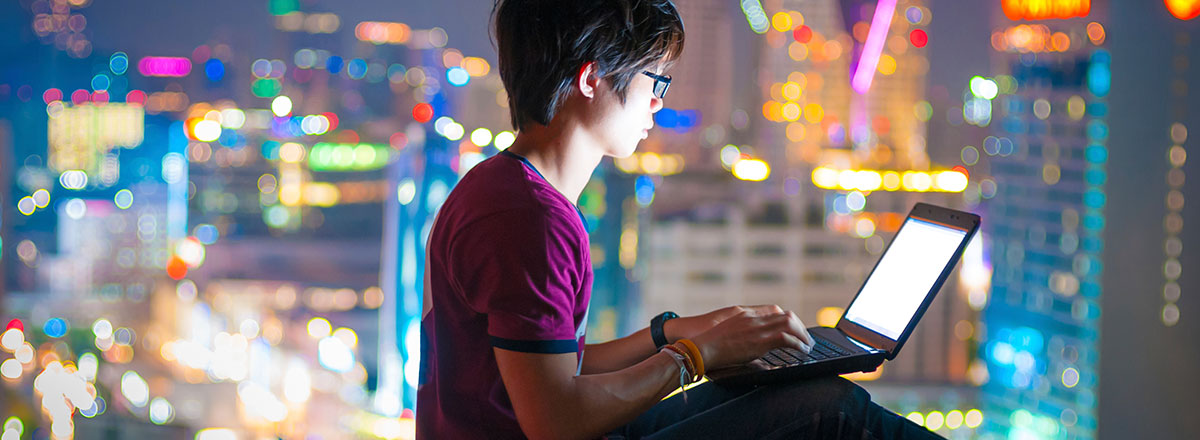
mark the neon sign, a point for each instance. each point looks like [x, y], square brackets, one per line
[1045, 9]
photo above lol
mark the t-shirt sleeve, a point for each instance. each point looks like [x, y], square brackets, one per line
[521, 269]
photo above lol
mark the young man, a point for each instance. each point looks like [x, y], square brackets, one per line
[509, 274]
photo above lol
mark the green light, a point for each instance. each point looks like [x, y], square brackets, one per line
[348, 157]
[265, 87]
[282, 7]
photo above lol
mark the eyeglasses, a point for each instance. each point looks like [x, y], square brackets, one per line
[661, 83]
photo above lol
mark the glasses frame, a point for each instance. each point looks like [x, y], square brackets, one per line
[661, 83]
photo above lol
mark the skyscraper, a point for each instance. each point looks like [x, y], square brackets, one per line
[1048, 157]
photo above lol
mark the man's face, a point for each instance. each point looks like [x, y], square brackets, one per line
[619, 127]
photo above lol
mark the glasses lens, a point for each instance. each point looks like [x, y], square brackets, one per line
[660, 88]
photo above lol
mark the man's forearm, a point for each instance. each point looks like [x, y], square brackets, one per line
[592, 405]
[618, 353]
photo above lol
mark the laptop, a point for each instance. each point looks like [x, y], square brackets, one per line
[884, 312]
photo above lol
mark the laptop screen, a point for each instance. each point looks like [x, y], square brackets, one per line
[904, 276]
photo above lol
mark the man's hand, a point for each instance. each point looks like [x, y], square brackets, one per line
[688, 327]
[750, 333]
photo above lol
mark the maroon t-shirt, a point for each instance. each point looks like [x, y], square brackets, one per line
[508, 267]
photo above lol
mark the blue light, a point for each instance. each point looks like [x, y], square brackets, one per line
[1094, 198]
[118, 63]
[1097, 130]
[334, 64]
[679, 120]
[1096, 153]
[457, 76]
[1099, 77]
[644, 190]
[1095, 177]
[1027, 339]
[1098, 109]
[55, 327]
[840, 206]
[100, 82]
[356, 68]
[1093, 222]
[207, 234]
[214, 69]
[270, 150]
[1001, 352]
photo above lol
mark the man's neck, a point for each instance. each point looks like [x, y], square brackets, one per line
[563, 155]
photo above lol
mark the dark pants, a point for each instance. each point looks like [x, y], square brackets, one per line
[829, 408]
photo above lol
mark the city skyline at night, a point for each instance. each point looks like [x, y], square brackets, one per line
[213, 217]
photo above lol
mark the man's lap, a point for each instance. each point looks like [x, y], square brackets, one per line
[820, 408]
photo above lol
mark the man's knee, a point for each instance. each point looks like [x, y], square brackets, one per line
[831, 394]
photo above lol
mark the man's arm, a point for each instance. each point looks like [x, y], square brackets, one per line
[624, 352]
[551, 402]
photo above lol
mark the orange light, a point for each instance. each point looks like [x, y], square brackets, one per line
[1183, 9]
[1095, 33]
[176, 268]
[1045, 9]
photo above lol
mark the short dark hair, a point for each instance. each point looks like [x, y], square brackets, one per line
[542, 44]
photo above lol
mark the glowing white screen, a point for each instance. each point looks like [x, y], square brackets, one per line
[905, 274]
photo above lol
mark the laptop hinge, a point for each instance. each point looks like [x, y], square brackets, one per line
[862, 345]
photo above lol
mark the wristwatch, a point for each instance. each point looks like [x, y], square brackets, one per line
[656, 329]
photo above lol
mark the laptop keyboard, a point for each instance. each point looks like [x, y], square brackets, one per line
[821, 350]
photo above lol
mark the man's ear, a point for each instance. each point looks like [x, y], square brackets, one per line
[587, 79]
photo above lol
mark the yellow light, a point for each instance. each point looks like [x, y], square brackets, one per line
[323, 194]
[791, 91]
[1075, 107]
[504, 139]
[1183, 9]
[974, 418]
[795, 132]
[891, 180]
[481, 137]
[847, 179]
[782, 22]
[798, 51]
[887, 64]
[916, 181]
[954, 419]
[773, 111]
[476, 66]
[951, 181]
[207, 131]
[867, 180]
[864, 227]
[813, 113]
[934, 420]
[291, 152]
[916, 417]
[825, 178]
[628, 165]
[319, 328]
[347, 336]
[828, 316]
[651, 163]
[751, 169]
[791, 111]
[865, 376]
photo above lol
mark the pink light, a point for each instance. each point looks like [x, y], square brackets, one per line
[869, 60]
[165, 66]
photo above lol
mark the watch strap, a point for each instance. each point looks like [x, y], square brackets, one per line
[656, 329]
